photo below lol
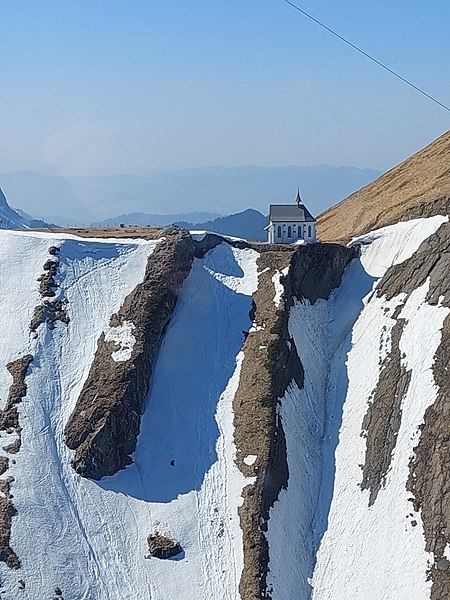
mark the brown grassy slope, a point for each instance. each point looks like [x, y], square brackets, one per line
[406, 191]
[149, 233]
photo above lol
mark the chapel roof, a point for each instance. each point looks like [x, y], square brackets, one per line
[290, 212]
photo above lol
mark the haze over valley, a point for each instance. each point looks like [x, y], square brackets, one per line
[211, 190]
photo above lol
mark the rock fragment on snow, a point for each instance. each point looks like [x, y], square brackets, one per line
[163, 547]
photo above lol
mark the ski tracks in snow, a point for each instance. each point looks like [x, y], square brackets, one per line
[91, 537]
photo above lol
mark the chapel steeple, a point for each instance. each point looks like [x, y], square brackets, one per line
[291, 223]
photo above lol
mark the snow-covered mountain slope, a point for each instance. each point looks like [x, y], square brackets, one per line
[9, 218]
[88, 538]
[353, 542]
[282, 436]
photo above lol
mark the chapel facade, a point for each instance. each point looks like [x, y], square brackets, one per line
[290, 223]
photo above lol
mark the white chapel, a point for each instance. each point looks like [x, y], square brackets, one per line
[289, 223]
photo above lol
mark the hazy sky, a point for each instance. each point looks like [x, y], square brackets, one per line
[106, 86]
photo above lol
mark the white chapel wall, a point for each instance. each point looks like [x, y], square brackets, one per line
[273, 232]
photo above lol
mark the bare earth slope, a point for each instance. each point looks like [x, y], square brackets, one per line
[420, 186]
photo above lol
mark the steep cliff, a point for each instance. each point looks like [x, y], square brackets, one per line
[275, 414]
[104, 425]
[350, 430]
[428, 479]
[271, 365]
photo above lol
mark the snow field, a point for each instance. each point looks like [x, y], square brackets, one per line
[88, 537]
[302, 413]
[343, 547]
[58, 550]
[124, 338]
[375, 552]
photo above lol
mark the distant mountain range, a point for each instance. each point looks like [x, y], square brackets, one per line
[15, 218]
[248, 224]
[144, 219]
[9, 218]
[217, 190]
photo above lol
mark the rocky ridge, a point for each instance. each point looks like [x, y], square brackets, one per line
[104, 425]
[9, 423]
[49, 311]
[428, 480]
[270, 364]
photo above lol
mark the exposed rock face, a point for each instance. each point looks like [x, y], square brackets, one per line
[211, 240]
[49, 311]
[257, 429]
[9, 421]
[429, 480]
[270, 364]
[382, 421]
[104, 425]
[163, 547]
[9, 416]
[7, 512]
[317, 269]
[432, 260]
[47, 279]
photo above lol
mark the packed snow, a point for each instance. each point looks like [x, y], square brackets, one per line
[250, 459]
[89, 538]
[279, 288]
[122, 335]
[344, 548]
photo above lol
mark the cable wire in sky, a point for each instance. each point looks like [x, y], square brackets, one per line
[380, 64]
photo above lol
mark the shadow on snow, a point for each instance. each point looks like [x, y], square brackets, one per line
[177, 441]
[348, 304]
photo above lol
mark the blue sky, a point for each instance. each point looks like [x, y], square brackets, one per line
[101, 87]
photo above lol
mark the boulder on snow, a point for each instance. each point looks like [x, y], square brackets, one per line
[161, 546]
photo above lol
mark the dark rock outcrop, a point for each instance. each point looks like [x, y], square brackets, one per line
[9, 416]
[429, 478]
[258, 431]
[317, 269]
[383, 418]
[9, 421]
[47, 283]
[431, 260]
[49, 311]
[270, 365]
[104, 425]
[7, 512]
[211, 240]
[163, 547]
